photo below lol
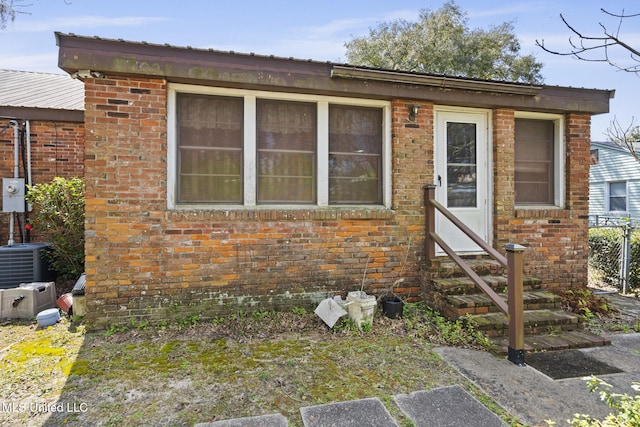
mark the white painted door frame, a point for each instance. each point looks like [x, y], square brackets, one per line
[463, 174]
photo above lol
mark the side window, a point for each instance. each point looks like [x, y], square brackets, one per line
[617, 201]
[535, 179]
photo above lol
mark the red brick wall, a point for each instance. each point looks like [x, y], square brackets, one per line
[556, 239]
[146, 262]
[57, 149]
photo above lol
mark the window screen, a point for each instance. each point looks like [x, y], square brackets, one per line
[286, 144]
[209, 149]
[355, 155]
[534, 162]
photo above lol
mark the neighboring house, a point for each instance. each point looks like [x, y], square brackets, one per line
[219, 182]
[614, 183]
[47, 111]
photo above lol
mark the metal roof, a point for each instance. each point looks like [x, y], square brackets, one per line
[40, 90]
[95, 57]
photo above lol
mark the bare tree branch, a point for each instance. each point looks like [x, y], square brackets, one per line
[586, 46]
[9, 9]
[615, 15]
[627, 138]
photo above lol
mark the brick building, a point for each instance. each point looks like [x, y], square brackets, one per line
[218, 181]
[48, 111]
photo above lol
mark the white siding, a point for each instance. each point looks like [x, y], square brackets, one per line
[614, 164]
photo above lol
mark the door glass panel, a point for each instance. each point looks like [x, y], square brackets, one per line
[462, 186]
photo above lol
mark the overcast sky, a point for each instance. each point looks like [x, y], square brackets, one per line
[319, 29]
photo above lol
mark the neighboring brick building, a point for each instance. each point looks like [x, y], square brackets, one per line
[218, 182]
[51, 107]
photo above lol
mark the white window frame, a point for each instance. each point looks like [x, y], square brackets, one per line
[559, 164]
[607, 195]
[249, 145]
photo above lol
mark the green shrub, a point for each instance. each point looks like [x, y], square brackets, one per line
[634, 269]
[626, 408]
[59, 216]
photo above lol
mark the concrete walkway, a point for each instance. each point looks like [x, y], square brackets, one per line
[438, 407]
[527, 393]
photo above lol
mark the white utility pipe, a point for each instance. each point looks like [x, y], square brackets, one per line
[29, 178]
[16, 151]
[16, 174]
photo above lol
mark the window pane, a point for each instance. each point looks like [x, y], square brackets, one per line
[618, 204]
[534, 178]
[462, 188]
[618, 188]
[286, 144]
[355, 155]
[209, 149]
[618, 196]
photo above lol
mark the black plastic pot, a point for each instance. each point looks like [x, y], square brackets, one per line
[392, 307]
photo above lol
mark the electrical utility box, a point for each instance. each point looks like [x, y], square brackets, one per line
[12, 194]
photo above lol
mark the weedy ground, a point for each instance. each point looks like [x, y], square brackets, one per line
[192, 371]
[243, 365]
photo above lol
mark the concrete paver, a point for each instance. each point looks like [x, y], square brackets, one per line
[272, 420]
[353, 413]
[443, 406]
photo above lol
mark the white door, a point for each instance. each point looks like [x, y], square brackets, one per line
[462, 176]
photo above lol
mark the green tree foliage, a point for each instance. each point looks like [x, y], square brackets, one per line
[59, 215]
[442, 43]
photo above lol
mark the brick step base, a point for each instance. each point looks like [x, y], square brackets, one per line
[445, 267]
[562, 340]
[464, 285]
[535, 322]
[547, 325]
[456, 306]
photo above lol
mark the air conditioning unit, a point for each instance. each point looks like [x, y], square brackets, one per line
[24, 263]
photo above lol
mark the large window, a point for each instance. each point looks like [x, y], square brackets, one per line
[538, 176]
[617, 196]
[246, 148]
